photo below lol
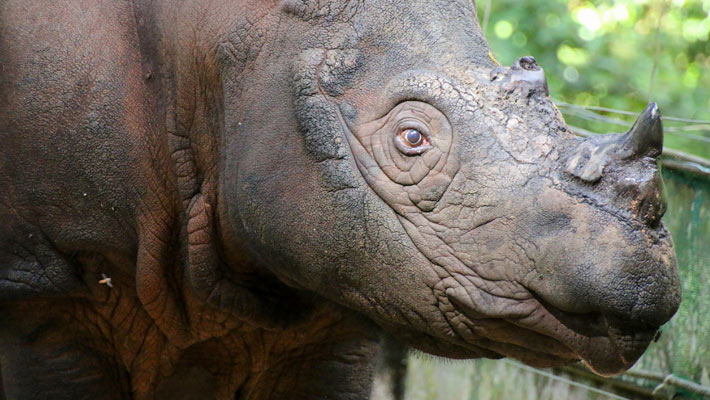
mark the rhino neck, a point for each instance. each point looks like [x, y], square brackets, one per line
[183, 270]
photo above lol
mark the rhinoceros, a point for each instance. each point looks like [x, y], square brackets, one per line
[235, 199]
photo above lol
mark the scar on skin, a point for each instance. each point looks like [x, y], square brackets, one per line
[106, 281]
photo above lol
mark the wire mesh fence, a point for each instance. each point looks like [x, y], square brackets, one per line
[689, 135]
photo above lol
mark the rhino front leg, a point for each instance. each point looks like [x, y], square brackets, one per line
[43, 359]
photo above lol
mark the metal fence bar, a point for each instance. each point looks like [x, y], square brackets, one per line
[680, 131]
[624, 112]
[673, 380]
[673, 159]
[670, 380]
[638, 391]
[661, 381]
[564, 380]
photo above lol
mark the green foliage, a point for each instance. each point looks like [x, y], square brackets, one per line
[618, 54]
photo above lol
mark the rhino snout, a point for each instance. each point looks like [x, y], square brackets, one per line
[601, 267]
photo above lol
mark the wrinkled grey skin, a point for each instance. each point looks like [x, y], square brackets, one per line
[237, 169]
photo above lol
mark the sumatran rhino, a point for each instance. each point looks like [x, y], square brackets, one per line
[233, 199]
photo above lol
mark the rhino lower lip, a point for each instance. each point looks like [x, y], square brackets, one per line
[631, 345]
[600, 342]
[551, 336]
[505, 337]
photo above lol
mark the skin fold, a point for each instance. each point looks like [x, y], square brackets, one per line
[271, 185]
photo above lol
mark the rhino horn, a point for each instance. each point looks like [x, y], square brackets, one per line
[645, 138]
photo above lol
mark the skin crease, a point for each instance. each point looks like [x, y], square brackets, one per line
[232, 167]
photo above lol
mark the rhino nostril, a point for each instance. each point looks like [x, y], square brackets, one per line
[645, 197]
[651, 209]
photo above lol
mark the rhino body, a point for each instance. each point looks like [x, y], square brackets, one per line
[233, 199]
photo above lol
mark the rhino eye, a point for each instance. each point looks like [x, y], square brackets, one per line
[413, 137]
[412, 141]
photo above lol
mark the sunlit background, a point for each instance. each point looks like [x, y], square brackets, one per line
[615, 54]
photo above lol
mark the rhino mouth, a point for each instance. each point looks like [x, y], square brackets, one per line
[547, 336]
[504, 336]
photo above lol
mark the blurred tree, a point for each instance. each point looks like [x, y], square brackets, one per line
[615, 54]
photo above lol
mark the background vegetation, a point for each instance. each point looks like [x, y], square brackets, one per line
[615, 54]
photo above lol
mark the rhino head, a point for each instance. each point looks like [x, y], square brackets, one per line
[386, 162]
